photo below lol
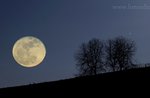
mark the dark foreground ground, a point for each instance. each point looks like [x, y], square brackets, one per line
[133, 81]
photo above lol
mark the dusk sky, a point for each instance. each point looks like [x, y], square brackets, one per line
[62, 25]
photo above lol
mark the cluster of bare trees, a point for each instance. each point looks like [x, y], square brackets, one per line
[95, 56]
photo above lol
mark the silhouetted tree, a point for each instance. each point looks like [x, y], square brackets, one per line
[119, 53]
[90, 58]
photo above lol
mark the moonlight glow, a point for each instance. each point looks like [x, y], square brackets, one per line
[29, 51]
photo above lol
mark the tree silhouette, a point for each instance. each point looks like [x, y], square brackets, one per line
[89, 58]
[119, 53]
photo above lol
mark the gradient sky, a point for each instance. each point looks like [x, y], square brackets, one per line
[63, 25]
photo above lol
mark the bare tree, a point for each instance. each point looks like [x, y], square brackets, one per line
[90, 58]
[110, 55]
[119, 53]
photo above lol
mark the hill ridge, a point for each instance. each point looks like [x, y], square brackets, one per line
[85, 85]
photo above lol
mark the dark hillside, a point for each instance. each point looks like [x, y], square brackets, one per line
[124, 82]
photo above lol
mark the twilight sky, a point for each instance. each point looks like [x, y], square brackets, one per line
[63, 25]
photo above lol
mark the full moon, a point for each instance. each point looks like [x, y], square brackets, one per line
[29, 51]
